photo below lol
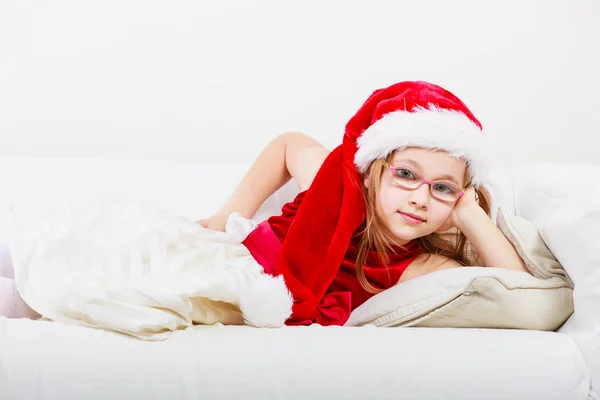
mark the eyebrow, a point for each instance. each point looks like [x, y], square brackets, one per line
[416, 164]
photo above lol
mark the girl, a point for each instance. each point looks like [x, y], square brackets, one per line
[378, 209]
[373, 212]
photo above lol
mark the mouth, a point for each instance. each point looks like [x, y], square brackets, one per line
[412, 218]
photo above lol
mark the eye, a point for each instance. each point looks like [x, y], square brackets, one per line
[445, 188]
[404, 173]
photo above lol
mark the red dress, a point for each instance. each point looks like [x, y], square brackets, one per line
[345, 292]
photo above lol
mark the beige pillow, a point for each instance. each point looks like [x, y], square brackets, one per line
[481, 297]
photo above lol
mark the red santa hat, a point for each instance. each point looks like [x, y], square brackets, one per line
[405, 114]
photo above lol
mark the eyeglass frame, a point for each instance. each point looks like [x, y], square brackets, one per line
[424, 181]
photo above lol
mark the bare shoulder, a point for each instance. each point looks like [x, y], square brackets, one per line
[426, 263]
[435, 262]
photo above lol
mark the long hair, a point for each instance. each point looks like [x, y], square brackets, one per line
[373, 234]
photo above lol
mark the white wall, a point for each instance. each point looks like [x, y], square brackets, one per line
[191, 79]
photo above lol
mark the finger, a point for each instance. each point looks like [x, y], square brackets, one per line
[203, 223]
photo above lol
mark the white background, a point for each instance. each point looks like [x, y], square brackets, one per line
[186, 80]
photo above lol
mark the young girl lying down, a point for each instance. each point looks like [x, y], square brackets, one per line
[372, 212]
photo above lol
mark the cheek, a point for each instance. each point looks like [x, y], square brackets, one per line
[391, 200]
[438, 214]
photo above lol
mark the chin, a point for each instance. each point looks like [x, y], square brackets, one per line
[404, 232]
[407, 233]
[404, 237]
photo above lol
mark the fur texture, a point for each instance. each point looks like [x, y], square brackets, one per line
[266, 303]
[431, 128]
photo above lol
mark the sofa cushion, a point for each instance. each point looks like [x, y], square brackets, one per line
[295, 362]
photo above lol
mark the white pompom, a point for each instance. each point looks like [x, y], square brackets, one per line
[266, 303]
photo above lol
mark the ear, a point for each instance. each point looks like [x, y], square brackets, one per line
[366, 177]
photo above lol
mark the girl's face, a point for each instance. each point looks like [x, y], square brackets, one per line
[395, 202]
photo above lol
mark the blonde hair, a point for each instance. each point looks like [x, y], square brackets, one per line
[373, 234]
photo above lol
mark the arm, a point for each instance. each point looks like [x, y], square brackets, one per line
[493, 247]
[290, 155]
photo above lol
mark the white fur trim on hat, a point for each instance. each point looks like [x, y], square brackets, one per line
[431, 128]
[266, 303]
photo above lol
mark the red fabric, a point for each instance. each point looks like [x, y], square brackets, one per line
[345, 292]
[264, 247]
[405, 96]
[316, 242]
[333, 208]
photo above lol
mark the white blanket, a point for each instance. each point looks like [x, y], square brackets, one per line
[114, 263]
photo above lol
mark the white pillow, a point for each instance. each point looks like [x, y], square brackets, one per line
[470, 297]
[480, 297]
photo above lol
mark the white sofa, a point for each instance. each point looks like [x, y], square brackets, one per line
[47, 360]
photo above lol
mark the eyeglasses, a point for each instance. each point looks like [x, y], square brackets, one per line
[411, 180]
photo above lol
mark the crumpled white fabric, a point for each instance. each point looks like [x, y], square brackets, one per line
[114, 263]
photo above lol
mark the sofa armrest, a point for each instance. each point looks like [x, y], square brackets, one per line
[563, 201]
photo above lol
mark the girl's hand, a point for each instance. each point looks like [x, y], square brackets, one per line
[216, 222]
[462, 209]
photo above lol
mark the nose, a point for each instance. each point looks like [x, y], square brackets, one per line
[420, 196]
